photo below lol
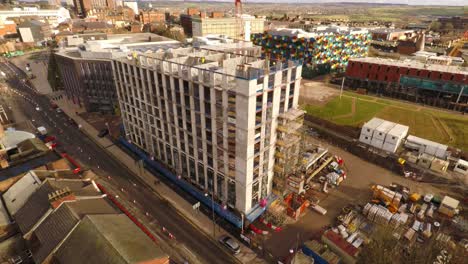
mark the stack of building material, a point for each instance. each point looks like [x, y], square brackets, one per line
[398, 219]
[387, 195]
[377, 213]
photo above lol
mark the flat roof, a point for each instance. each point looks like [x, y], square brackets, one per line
[451, 202]
[17, 195]
[385, 127]
[399, 130]
[373, 123]
[412, 64]
[13, 137]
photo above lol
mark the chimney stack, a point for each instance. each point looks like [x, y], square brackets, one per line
[58, 197]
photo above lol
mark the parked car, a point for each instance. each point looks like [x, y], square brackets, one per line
[72, 122]
[230, 243]
[58, 110]
[104, 132]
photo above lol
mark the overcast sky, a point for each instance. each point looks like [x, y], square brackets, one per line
[409, 2]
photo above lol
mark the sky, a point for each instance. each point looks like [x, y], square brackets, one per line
[409, 2]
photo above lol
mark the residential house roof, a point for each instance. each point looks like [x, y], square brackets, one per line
[38, 204]
[109, 239]
[34, 208]
[57, 225]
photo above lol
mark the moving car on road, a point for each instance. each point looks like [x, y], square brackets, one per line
[230, 244]
[104, 132]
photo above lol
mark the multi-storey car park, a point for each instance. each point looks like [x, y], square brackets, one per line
[215, 116]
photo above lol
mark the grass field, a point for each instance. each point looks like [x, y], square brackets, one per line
[437, 125]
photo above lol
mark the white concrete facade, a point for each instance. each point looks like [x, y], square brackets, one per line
[209, 115]
[237, 28]
[53, 16]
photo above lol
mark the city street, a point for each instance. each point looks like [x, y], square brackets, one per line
[36, 108]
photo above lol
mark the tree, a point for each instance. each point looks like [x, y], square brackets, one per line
[448, 26]
[435, 26]
[158, 29]
[385, 248]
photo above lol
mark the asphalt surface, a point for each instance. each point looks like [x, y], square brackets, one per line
[81, 148]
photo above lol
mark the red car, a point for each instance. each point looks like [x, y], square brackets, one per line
[49, 139]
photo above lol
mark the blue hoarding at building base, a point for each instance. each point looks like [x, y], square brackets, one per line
[157, 167]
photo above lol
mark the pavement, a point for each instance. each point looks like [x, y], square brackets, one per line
[38, 67]
[162, 206]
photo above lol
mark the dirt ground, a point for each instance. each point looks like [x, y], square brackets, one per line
[354, 190]
[316, 92]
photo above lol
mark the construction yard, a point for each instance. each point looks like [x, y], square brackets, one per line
[352, 109]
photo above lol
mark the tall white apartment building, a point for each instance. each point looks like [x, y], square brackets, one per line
[236, 28]
[211, 115]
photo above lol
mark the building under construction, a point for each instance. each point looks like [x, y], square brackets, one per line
[436, 85]
[212, 115]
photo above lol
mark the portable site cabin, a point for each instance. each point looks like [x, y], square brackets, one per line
[368, 130]
[425, 160]
[448, 206]
[439, 165]
[381, 131]
[377, 143]
[394, 137]
[461, 167]
[426, 146]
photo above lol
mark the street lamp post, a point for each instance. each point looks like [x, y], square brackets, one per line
[213, 212]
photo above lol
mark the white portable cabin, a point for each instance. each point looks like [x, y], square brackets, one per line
[461, 167]
[394, 138]
[381, 131]
[369, 127]
[390, 147]
[396, 134]
[365, 138]
[377, 143]
[426, 146]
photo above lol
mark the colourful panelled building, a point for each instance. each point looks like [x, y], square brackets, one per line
[328, 49]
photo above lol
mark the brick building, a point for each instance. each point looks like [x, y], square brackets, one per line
[152, 16]
[82, 7]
